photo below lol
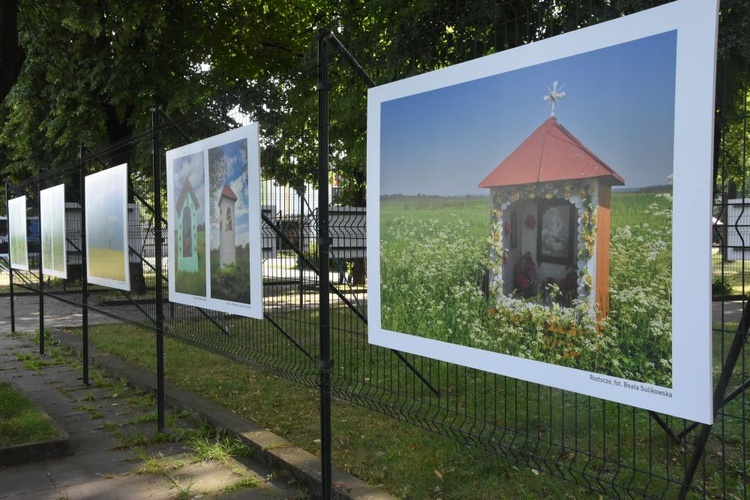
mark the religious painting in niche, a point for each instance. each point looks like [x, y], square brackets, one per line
[187, 234]
[556, 238]
[579, 209]
[213, 190]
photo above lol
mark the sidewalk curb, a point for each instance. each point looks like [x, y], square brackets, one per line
[270, 448]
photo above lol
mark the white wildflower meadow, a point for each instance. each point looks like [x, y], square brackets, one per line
[432, 271]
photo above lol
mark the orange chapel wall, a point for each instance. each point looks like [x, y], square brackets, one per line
[603, 227]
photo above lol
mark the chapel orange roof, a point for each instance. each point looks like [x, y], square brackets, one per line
[228, 193]
[551, 153]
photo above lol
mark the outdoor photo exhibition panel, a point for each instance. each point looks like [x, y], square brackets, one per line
[213, 200]
[545, 212]
[107, 249]
[52, 219]
[19, 252]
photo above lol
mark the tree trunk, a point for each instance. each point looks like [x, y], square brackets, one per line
[12, 54]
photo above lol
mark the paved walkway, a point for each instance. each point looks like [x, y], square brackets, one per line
[56, 314]
[116, 450]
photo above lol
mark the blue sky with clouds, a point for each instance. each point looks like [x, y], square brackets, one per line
[235, 156]
[619, 103]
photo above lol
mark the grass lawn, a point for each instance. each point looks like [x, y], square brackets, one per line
[20, 421]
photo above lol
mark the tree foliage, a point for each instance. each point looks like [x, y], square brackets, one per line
[95, 69]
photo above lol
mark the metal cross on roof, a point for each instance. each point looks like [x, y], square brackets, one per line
[554, 95]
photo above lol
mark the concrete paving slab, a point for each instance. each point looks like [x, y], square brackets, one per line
[82, 468]
[22, 479]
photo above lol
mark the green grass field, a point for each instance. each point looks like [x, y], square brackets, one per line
[434, 254]
[627, 209]
[107, 264]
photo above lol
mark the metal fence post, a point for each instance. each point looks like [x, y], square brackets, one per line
[158, 271]
[325, 363]
[10, 268]
[84, 273]
[41, 276]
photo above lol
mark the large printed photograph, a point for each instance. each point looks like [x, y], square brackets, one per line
[19, 251]
[214, 215]
[52, 220]
[531, 212]
[107, 246]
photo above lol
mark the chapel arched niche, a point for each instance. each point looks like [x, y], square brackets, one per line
[541, 249]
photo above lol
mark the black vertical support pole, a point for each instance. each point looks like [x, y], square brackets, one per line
[10, 268]
[300, 260]
[41, 277]
[159, 282]
[84, 273]
[325, 362]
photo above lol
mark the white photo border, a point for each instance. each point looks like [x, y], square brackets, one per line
[696, 24]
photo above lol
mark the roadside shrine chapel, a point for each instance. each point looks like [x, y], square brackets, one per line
[550, 212]
[227, 212]
[187, 230]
